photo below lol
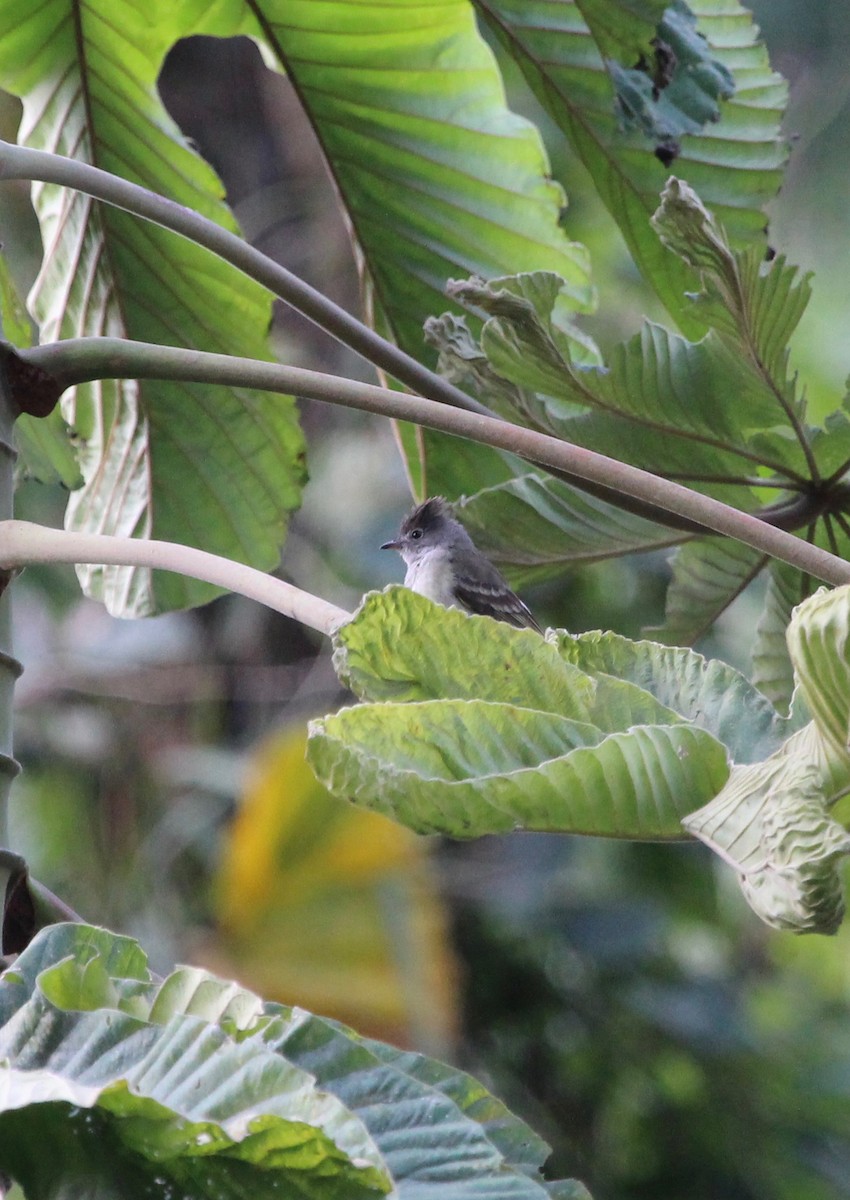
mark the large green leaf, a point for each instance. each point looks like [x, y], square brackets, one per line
[466, 768]
[734, 163]
[400, 646]
[594, 733]
[213, 467]
[516, 735]
[437, 176]
[434, 1130]
[176, 1103]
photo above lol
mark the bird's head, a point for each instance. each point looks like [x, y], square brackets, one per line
[429, 528]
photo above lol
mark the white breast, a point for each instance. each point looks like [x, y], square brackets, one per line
[431, 575]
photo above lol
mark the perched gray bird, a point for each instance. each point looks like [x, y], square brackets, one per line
[444, 565]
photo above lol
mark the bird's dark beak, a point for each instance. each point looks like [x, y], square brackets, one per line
[391, 546]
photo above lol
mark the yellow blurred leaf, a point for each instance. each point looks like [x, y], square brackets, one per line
[328, 906]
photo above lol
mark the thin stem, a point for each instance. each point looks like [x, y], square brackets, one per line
[810, 532]
[21, 162]
[10, 668]
[830, 534]
[832, 479]
[77, 360]
[22, 543]
[842, 522]
[783, 484]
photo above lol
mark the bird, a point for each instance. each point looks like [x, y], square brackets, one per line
[444, 564]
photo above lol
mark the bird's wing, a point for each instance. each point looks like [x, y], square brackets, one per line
[493, 598]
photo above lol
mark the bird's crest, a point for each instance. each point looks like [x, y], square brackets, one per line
[427, 515]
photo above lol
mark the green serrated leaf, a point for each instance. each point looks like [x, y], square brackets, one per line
[735, 162]
[659, 382]
[708, 575]
[685, 410]
[755, 304]
[534, 526]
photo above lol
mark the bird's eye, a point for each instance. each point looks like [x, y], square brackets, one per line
[415, 533]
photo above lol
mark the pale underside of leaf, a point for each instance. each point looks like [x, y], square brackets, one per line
[770, 823]
[819, 645]
[773, 673]
[179, 463]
